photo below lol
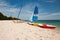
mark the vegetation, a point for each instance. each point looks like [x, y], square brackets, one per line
[3, 17]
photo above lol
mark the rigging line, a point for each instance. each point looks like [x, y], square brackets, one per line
[19, 12]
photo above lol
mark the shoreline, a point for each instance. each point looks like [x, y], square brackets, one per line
[10, 30]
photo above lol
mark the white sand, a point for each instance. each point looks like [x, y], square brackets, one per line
[22, 31]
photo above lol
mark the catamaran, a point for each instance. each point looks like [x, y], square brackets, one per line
[35, 18]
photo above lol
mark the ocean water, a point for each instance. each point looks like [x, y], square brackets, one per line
[51, 22]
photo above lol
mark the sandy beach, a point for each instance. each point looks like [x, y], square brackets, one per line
[10, 30]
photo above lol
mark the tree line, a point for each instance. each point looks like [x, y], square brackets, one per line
[3, 17]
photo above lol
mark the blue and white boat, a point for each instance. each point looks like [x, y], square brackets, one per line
[35, 18]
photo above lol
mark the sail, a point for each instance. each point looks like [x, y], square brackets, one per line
[35, 18]
[36, 10]
[35, 15]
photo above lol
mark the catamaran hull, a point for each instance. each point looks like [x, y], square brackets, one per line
[48, 27]
[43, 26]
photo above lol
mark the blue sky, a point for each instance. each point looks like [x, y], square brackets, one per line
[48, 9]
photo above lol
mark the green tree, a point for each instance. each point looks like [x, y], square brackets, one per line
[3, 17]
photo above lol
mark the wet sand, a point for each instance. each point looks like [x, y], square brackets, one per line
[10, 30]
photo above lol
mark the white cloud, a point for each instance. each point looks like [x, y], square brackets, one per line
[3, 3]
[51, 1]
[7, 9]
[53, 16]
[12, 10]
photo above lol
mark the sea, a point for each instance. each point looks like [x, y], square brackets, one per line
[50, 22]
